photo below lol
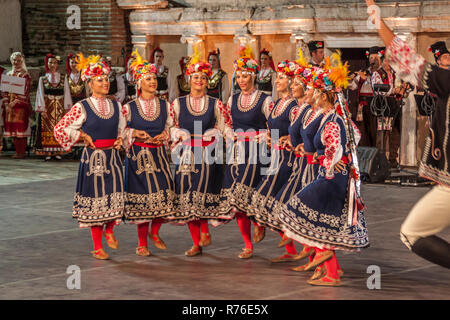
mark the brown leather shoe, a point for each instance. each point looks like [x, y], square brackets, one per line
[258, 233]
[306, 252]
[205, 239]
[142, 251]
[100, 254]
[284, 241]
[320, 258]
[287, 257]
[157, 241]
[111, 240]
[326, 281]
[194, 251]
[301, 268]
[319, 272]
[246, 253]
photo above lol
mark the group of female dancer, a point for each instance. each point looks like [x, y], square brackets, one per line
[284, 165]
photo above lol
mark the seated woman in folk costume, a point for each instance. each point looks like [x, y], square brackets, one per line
[101, 124]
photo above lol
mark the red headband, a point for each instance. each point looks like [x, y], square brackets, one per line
[47, 57]
[68, 69]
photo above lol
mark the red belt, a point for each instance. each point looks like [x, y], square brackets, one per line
[299, 155]
[310, 159]
[198, 142]
[322, 158]
[147, 145]
[277, 146]
[246, 136]
[104, 143]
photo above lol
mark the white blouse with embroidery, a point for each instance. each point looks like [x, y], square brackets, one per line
[332, 140]
[197, 105]
[67, 131]
[246, 101]
[53, 79]
[148, 109]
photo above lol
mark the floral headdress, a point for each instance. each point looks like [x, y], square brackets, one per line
[287, 67]
[91, 67]
[140, 67]
[333, 76]
[197, 66]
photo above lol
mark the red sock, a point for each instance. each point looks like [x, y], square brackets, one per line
[331, 266]
[156, 225]
[96, 233]
[110, 227]
[337, 262]
[204, 227]
[290, 248]
[194, 228]
[142, 230]
[245, 227]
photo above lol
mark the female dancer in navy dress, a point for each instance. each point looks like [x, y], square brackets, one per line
[319, 214]
[282, 159]
[149, 182]
[100, 122]
[196, 125]
[249, 111]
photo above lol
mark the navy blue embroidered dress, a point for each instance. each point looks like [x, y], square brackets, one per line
[244, 162]
[280, 169]
[99, 196]
[318, 215]
[198, 174]
[149, 181]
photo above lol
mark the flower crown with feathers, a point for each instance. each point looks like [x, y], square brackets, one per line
[246, 62]
[333, 75]
[91, 66]
[287, 67]
[140, 67]
[196, 65]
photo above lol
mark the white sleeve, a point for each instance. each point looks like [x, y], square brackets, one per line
[353, 85]
[171, 87]
[120, 94]
[172, 123]
[225, 88]
[175, 88]
[67, 96]
[267, 107]
[67, 131]
[40, 102]
[127, 133]
[274, 87]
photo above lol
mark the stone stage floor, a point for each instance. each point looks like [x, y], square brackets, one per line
[39, 240]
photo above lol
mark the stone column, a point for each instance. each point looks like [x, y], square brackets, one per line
[191, 40]
[408, 156]
[144, 44]
[300, 40]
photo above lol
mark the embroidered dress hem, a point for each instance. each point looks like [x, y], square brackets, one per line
[145, 207]
[304, 231]
[237, 197]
